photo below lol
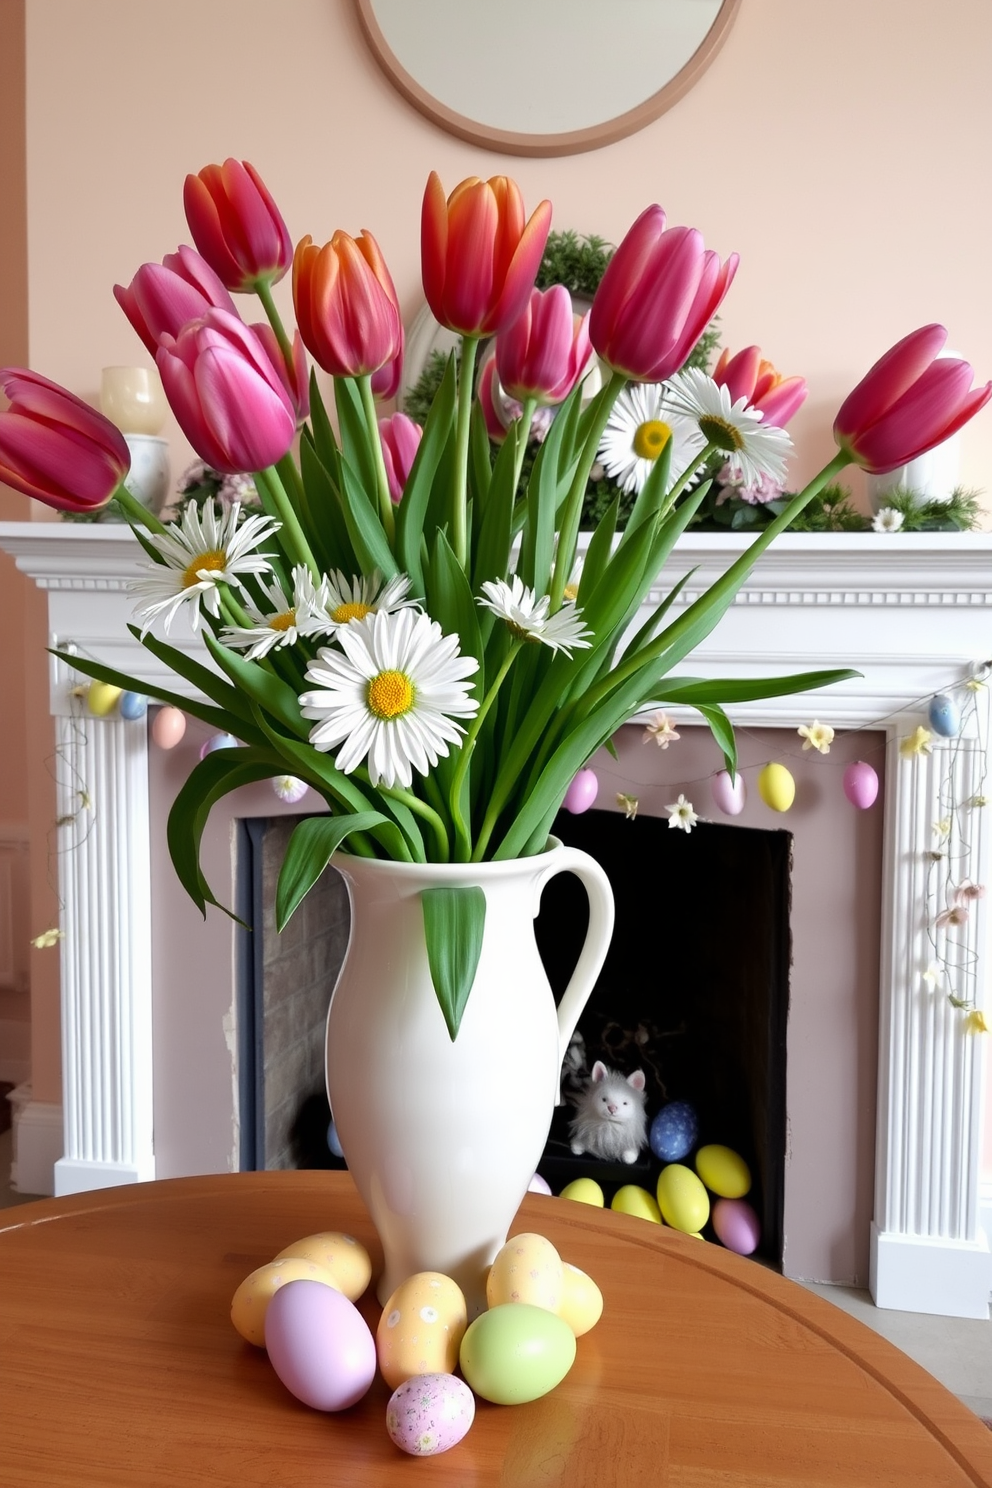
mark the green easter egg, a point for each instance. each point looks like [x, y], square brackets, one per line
[516, 1352]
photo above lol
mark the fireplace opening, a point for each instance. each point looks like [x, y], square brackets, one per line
[694, 990]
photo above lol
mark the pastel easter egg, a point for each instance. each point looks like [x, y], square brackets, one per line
[674, 1131]
[776, 787]
[429, 1413]
[723, 1171]
[319, 1345]
[584, 1191]
[344, 1258]
[581, 1300]
[944, 717]
[729, 795]
[101, 698]
[334, 1141]
[516, 1352]
[539, 1185]
[527, 1269]
[251, 1300]
[682, 1199]
[582, 792]
[132, 706]
[288, 788]
[168, 727]
[218, 741]
[736, 1225]
[860, 784]
[421, 1328]
[637, 1201]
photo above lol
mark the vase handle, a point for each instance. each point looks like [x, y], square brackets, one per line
[597, 941]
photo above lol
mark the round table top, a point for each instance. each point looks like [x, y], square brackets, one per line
[119, 1366]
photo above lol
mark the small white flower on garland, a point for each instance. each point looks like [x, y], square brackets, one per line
[816, 735]
[661, 729]
[887, 520]
[681, 814]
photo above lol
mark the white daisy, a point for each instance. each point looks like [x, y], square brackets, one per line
[205, 549]
[753, 449]
[638, 430]
[887, 520]
[527, 616]
[681, 814]
[338, 601]
[389, 695]
[276, 624]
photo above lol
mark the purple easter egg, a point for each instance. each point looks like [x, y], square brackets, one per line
[319, 1345]
[735, 1223]
[538, 1185]
[860, 784]
[582, 792]
[729, 795]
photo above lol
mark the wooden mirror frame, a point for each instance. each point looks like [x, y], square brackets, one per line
[572, 142]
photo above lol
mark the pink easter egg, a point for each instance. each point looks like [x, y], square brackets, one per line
[319, 1345]
[429, 1413]
[168, 727]
[729, 795]
[860, 785]
[582, 792]
[735, 1223]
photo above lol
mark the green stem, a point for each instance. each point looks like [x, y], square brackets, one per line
[296, 539]
[522, 435]
[673, 495]
[420, 808]
[386, 514]
[136, 512]
[264, 291]
[459, 499]
[463, 840]
[572, 513]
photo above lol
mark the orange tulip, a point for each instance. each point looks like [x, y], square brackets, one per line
[346, 305]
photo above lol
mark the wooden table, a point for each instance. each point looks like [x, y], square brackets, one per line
[120, 1367]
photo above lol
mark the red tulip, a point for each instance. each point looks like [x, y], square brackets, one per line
[545, 351]
[230, 401]
[295, 379]
[910, 401]
[748, 376]
[55, 447]
[479, 257]
[660, 291]
[400, 438]
[236, 225]
[346, 305]
[162, 298]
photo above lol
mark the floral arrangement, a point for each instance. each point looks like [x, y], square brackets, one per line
[395, 625]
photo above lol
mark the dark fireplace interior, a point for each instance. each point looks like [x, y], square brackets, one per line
[694, 991]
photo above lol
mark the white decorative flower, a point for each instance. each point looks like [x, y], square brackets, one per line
[681, 814]
[527, 616]
[637, 432]
[339, 601]
[661, 729]
[887, 520]
[289, 789]
[816, 735]
[277, 624]
[628, 804]
[389, 695]
[204, 550]
[754, 449]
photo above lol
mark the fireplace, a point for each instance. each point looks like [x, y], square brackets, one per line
[149, 1027]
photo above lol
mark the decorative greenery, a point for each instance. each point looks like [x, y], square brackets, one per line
[833, 510]
[576, 261]
[960, 514]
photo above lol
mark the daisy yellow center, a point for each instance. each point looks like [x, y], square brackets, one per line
[650, 439]
[390, 695]
[717, 431]
[346, 612]
[215, 561]
[285, 621]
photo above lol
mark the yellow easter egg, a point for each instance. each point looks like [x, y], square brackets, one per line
[527, 1269]
[776, 787]
[723, 1171]
[581, 1300]
[101, 698]
[637, 1201]
[421, 1328]
[584, 1191]
[343, 1256]
[682, 1199]
[250, 1302]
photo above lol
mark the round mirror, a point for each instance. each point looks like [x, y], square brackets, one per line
[544, 77]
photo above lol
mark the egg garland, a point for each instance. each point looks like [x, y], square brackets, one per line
[582, 792]
[860, 784]
[217, 741]
[168, 727]
[776, 787]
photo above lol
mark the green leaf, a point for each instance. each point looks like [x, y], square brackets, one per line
[546, 490]
[723, 732]
[454, 920]
[308, 854]
[696, 690]
[217, 718]
[202, 678]
[598, 551]
[411, 514]
[492, 555]
[364, 527]
[268, 691]
[221, 772]
[354, 431]
[329, 539]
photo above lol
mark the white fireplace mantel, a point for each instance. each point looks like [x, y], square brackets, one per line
[912, 613]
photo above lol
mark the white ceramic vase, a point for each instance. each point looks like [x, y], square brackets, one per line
[442, 1138]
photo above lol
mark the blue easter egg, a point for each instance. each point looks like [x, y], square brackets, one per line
[132, 705]
[674, 1131]
[217, 741]
[944, 716]
[333, 1142]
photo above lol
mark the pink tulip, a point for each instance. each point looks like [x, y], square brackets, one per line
[660, 291]
[747, 375]
[162, 298]
[295, 379]
[386, 382]
[495, 427]
[545, 351]
[236, 225]
[55, 447]
[400, 438]
[346, 305]
[910, 401]
[230, 401]
[479, 257]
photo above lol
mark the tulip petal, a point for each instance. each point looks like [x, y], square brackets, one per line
[473, 222]
[434, 244]
[890, 377]
[522, 271]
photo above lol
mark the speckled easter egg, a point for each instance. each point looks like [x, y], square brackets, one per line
[729, 795]
[429, 1413]
[344, 1258]
[527, 1269]
[251, 1300]
[582, 792]
[860, 784]
[776, 787]
[421, 1328]
[674, 1131]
